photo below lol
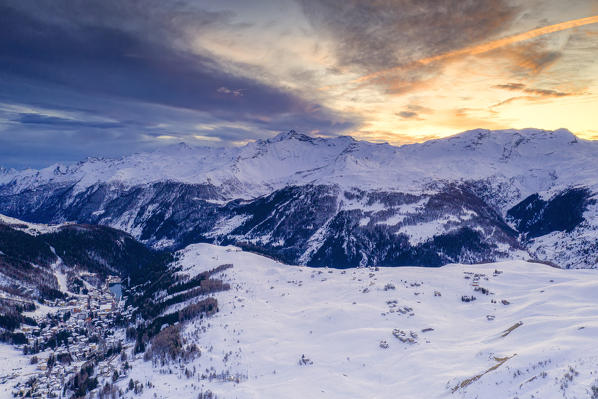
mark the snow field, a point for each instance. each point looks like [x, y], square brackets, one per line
[276, 315]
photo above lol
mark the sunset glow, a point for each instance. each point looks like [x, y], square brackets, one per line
[104, 77]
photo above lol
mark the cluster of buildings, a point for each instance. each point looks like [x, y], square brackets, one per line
[70, 333]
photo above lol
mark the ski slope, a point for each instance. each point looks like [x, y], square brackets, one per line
[298, 332]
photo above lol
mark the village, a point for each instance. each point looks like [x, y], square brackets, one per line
[71, 334]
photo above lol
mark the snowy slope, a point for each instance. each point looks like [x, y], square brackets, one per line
[297, 332]
[29, 228]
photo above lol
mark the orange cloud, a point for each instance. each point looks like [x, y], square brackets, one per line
[527, 58]
[485, 47]
[492, 45]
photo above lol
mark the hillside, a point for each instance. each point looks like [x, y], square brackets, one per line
[37, 259]
[221, 321]
[74, 298]
[298, 332]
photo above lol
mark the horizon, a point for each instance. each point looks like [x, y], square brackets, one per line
[103, 78]
[194, 145]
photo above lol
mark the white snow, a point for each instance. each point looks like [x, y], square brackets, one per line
[225, 226]
[422, 232]
[525, 161]
[29, 228]
[513, 163]
[12, 365]
[276, 313]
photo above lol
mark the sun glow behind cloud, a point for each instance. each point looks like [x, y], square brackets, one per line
[492, 45]
[440, 94]
[467, 94]
[139, 75]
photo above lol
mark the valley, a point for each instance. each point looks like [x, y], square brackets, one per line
[298, 199]
[173, 272]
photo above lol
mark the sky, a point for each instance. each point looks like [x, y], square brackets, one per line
[85, 78]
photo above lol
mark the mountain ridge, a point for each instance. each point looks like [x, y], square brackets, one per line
[338, 153]
[338, 201]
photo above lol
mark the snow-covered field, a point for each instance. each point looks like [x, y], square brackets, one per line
[298, 332]
[13, 364]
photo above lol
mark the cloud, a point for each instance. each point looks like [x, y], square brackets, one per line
[414, 112]
[511, 86]
[418, 108]
[207, 138]
[541, 58]
[495, 44]
[539, 92]
[547, 93]
[232, 92]
[104, 60]
[374, 35]
[407, 114]
[126, 70]
[530, 93]
[383, 41]
[527, 59]
[104, 76]
[37, 119]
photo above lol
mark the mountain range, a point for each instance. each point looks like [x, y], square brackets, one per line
[478, 196]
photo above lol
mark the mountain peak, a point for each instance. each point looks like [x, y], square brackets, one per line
[290, 135]
[5, 171]
[528, 133]
[181, 146]
[175, 148]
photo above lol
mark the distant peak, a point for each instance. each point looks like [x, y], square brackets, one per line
[175, 148]
[60, 169]
[182, 145]
[541, 133]
[479, 135]
[566, 133]
[290, 135]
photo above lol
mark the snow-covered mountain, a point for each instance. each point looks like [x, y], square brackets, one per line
[477, 196]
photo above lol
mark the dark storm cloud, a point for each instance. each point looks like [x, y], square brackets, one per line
[101, 59]
[380, 34]
[127, 61]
